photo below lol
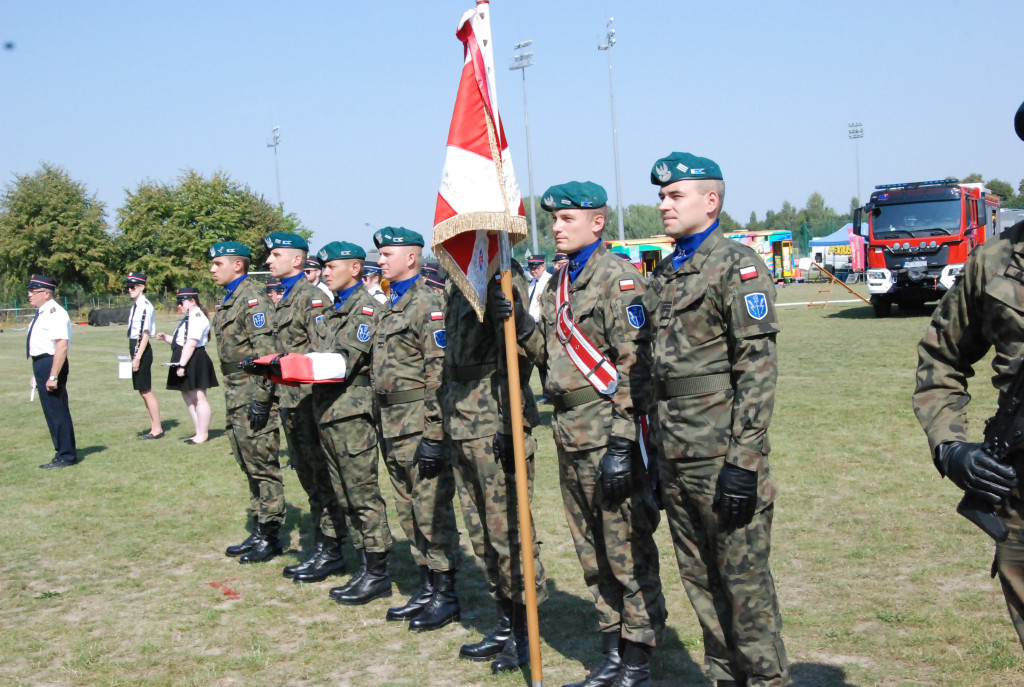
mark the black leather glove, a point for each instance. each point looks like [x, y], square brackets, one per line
[249, 367]
[503, 452]
[616, 470]
[972, 469]
[259, 415]
[502, 309]
[429, 455]
[275, 366]
[735, 496]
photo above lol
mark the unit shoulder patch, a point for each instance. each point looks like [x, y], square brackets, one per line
[259, 319]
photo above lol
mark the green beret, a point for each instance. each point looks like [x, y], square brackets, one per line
[575, 194]
[230, 248]
[1018, 122]
[679, 166]
[396, 236]
[280, 239]
[340, 250]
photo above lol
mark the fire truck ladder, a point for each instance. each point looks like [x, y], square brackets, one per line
[827, 289]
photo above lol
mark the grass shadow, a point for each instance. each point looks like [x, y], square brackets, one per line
[88, 451]
[818, 675]
[867, 312]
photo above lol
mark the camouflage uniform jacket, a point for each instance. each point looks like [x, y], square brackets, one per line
[294, 320]
[713, 361]
[984, 308]
[348, 331]
[475, 375]
[408, 354]
[603, 291]
[244, 327]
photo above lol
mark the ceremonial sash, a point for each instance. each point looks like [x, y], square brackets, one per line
[597, 370]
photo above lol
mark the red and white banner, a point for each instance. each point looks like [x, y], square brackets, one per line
[479, 194]
[311, 368]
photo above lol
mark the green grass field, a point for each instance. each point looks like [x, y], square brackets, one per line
[113, 573]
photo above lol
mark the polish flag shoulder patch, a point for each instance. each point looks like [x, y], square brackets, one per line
[626, 285]
[252, 302]
[367, 310]
[317, 303]
[436, 315]
[748, 272]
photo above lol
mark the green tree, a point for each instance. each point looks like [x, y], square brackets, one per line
[49, 223]
[971, 179]
[1001, 189]
[643, 221]
[166, 230]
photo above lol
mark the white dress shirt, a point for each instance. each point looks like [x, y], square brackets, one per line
[141, 319]
[51, 324]
[195, 326]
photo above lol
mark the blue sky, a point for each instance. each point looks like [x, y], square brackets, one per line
[120, 92]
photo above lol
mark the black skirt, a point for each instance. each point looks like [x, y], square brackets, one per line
[199, 372]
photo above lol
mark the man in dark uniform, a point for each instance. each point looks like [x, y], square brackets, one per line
[244, 328]
[294, 320]
[981, 311]
[713, 327]
[408, 354]
[476, 418]
[49, 336]
[590, 341]
[344, 415]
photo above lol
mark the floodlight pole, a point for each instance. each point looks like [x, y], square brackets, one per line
[521, 61]
[856, 132]
[607, 45]
[274, 142]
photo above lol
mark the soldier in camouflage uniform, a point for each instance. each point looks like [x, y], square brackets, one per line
[408, 354]
[607, 495]
[243, 325]
[713, 328]
[296, 315]
[477, 421]
[344, 414]
[981, 311]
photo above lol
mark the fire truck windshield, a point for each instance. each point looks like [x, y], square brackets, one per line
[934, 218]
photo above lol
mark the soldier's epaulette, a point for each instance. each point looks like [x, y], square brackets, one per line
[252, 302]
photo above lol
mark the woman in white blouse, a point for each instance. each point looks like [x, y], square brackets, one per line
[191, 370]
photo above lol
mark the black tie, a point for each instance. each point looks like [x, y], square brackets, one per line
[28, 341]
[131, 318]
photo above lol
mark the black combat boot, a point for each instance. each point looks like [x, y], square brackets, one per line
[331, 561]
[318, 546]
[636, 666]
[354, 580]
[374, 583]
[417, 601]
[266, 548]
[604, 675]
[492, 644]
[245, 546]
[443, 606]
[517, 649]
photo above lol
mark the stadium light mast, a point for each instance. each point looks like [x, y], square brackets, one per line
[856, 132]
[275, 141]
[607, 45]
[521, 61]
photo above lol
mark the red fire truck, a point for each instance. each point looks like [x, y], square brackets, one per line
[919, 235]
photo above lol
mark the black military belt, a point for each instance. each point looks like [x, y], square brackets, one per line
[42, 355]
[360, 380]
[397, 397]
[575, 398]
[471, 373]
[691, 386]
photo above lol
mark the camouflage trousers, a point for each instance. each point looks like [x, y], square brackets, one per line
[490, 511]
[424, 506]
[310, 463]
[615, 545]
[1009, 562]
[352, 456]
[256, 454]
[726, 576]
